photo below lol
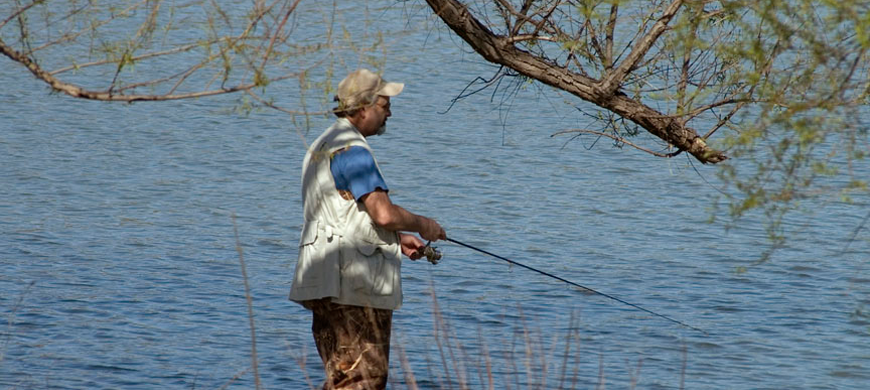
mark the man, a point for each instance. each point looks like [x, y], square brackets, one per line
[352, 239]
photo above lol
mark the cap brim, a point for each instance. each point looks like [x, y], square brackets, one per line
[391, 89]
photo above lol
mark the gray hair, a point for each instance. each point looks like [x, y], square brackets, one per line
[343, 111]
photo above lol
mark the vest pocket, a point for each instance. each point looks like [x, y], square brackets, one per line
[309, 233]
[369, 271]
[319, 261]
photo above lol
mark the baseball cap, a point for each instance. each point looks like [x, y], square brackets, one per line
[363, 86]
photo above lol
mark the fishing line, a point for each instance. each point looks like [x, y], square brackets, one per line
[578, 285]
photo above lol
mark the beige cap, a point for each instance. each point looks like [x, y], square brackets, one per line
[361, 87]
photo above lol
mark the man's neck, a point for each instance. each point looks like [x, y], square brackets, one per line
[354, 120]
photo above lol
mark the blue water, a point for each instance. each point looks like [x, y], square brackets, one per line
[120, 267]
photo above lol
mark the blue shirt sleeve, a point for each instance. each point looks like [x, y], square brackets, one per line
[354, 170]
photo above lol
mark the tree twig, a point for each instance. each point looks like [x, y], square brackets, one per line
[19, 12]
[617, 139]
[613, 79]
[179, 49]
[79, 92]
[275, 36]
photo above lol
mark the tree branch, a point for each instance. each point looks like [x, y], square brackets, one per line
[76, 91]
[526, 37]
[608, 43]
[179, 49]
[617, 139]
[92, 26]
[19, 12]
[499, 50]
[275, 36]
[613, 79]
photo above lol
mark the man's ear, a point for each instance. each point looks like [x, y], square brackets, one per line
[357, 116]
[360, 114]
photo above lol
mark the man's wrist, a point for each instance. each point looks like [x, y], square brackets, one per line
[420, 222]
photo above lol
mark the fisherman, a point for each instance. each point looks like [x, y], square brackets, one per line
[348, 272]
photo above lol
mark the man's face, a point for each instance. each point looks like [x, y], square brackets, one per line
[375, 116]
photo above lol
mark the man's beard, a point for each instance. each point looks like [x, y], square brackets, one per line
[382, 129]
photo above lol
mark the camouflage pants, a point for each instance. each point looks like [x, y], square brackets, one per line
[354, 344]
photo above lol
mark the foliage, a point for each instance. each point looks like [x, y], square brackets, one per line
[780, 86]
[803, 137]
[156, 50]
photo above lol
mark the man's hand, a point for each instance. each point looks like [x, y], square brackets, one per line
[431, 230]
[411, 246]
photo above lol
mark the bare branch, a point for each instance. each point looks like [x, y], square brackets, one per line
[521, 38]
[687, 62]
[176, 50]
[499, 50]
[20, 11]
[275, 36]
[617, 139]
[614, 78]
[506, 9]
[593, 38]
[540, 25]
[274, 106]
[699, 110]
[608, 43]
[76, 91]
[92, 26]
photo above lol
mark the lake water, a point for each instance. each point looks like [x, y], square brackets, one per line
[120, 269]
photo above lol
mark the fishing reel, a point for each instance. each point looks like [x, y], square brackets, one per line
[431, 253]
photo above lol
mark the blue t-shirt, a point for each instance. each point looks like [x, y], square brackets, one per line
[354, 170]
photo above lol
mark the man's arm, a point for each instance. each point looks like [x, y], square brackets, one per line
[393, 217]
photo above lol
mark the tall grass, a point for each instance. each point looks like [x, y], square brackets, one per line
[526, 364]
[250, 302]
[462, 368]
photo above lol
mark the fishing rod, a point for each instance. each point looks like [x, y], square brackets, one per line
[578, 285]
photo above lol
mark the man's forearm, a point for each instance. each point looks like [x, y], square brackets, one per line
[393, 217]
[402, 220]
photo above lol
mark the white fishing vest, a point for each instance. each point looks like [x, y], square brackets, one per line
[343, 254]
